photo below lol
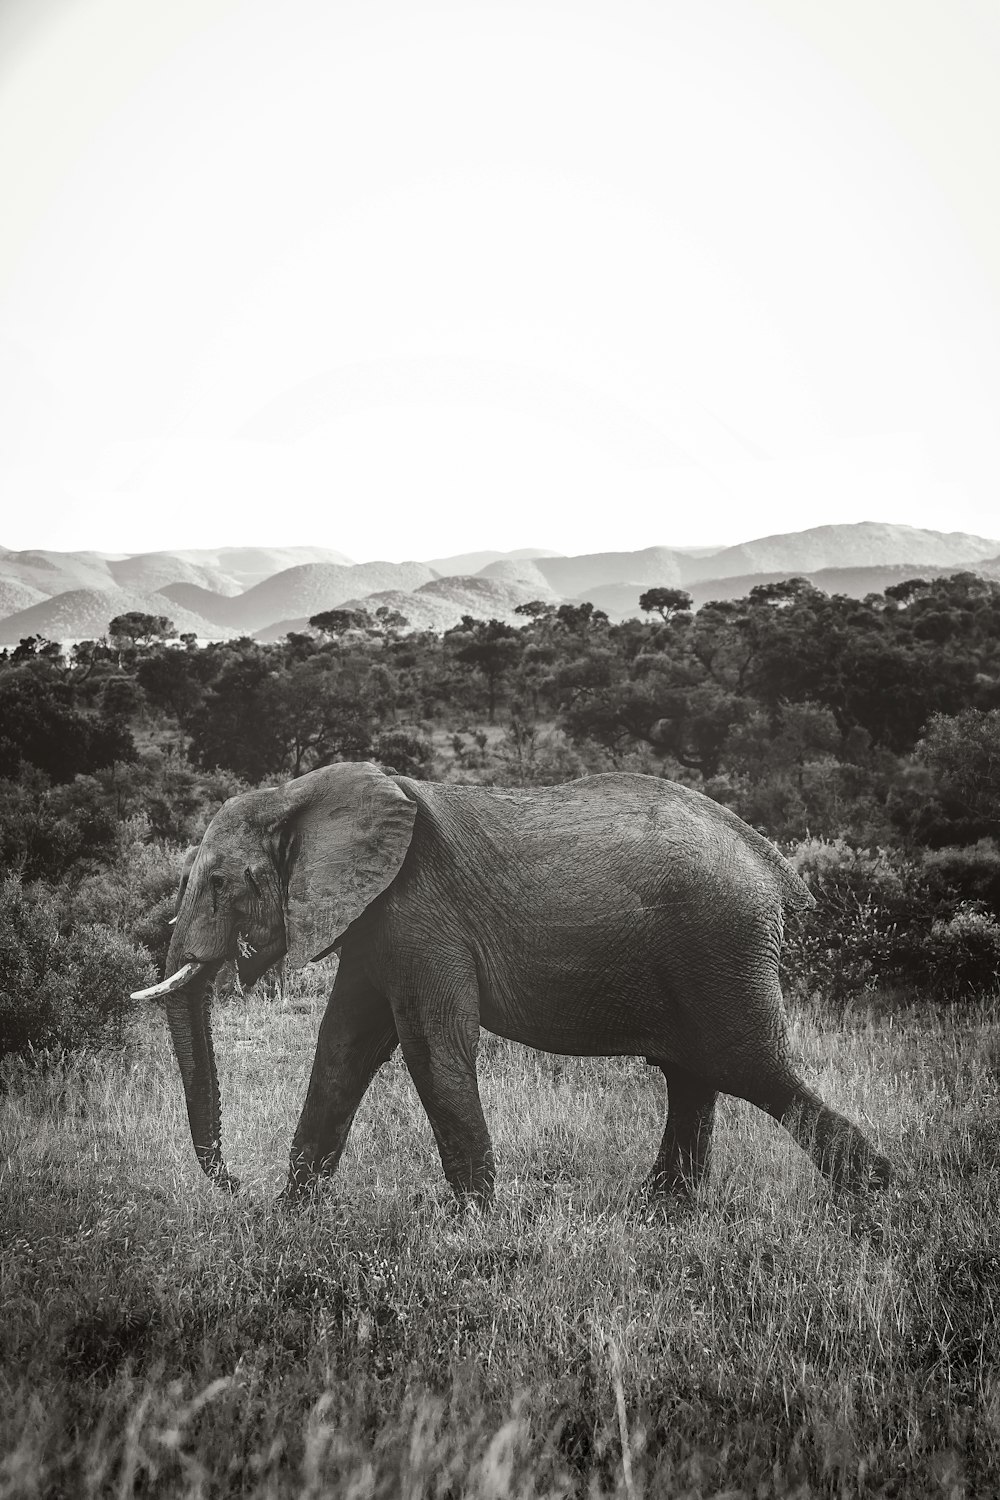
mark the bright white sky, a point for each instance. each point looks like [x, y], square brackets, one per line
[408, 277]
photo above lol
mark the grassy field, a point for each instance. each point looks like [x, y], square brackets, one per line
[158, 1339]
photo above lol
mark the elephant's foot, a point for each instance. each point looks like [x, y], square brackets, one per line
[299, 1194]
[471, 1175]
[220, 1176]
[858, 1172]
[668, 1186]
[844, 1155]
[472, 1197]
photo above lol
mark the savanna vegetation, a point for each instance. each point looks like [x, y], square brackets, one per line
[158, 1340]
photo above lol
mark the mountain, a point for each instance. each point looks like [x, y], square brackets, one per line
[441, 603]
[266, 590]
[55, 572]
[524, 575]
[152, 570]
[250, 565]
[465, 563]
[15, 595]
[620, 601]
[570, 576]
[211, 606]
[84, 614]
[863, 544]
[312, 587]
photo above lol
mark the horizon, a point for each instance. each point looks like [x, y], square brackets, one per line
[272, 546]
[740, 261]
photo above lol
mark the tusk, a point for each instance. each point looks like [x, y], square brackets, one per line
[178, 981]
[171, 921]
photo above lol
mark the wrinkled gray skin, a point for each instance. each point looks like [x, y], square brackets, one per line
[276, 979]
[615, 915]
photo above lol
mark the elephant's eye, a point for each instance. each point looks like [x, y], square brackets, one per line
[216, 883]
[252, 883]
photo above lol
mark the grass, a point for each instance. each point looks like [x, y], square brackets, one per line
[158, 1339]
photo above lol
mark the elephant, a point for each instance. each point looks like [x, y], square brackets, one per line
[614, 915]
[277, 976]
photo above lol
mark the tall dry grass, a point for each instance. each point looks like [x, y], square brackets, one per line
[158, 1339]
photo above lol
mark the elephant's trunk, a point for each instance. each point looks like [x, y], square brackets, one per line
[189, 1015]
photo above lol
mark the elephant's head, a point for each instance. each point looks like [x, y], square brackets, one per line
[285, 870]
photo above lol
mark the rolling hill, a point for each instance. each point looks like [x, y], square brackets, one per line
[571, 576]
[149, 571]
[84, 614]
[306, 590]
[860, 545]
[218, 593]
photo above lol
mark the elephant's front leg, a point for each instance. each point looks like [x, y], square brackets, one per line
[439, 1044]
[687, 1139]
[356, 1036]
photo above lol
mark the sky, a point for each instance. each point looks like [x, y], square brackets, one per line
[406, 278]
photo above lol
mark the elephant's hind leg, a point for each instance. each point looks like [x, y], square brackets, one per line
[841, 1151]
[356, 1036]
[687, 1140]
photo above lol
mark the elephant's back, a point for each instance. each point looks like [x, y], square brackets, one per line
[651, 837]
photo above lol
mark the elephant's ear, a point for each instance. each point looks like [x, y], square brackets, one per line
[342, 835]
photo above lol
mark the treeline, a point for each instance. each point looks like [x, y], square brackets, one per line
[810, 713]
[863, 735]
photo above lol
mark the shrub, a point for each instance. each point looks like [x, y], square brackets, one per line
[843, 948]
[528, 755]
[134, 895]
[971, 873]
[62, 991]
[407, 754]
[963, 953]
[45, 832]
[884, 920]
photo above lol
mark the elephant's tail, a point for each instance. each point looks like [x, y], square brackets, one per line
[795, 894]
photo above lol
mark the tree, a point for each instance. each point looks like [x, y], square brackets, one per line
[40, 727]
[667, 603]
[904, 593]
[963, 754]
[140, 629]
[263, 717]
[580, 619]
[334, 623]
[389, 622]
[492, 647]
[31, 647]
[229, 728]
[782, 592]
[173, 680]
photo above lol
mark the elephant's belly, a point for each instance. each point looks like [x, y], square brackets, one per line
[619, 1009]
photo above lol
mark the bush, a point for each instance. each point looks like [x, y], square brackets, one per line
[862, 930]
[972, 873]
[886, 921]
[134, 895]
[963, 953]
[404, 753]
[47, 832]
[62, 991]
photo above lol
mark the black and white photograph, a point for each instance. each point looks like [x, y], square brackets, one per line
[499, 749]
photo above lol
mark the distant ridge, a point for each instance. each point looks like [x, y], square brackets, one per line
[217, 593]
[569, 576]
[465, 563]
[84, 614]
[250, 565]
[620, 601]
[312, 587]
[859, 545]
